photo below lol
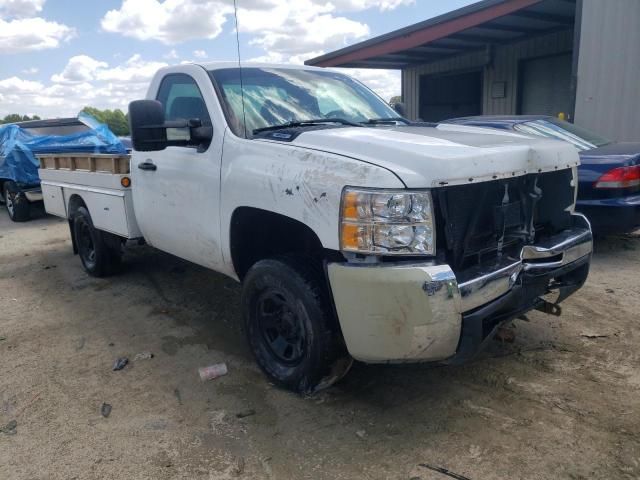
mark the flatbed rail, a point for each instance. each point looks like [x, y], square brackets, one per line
[104, 163]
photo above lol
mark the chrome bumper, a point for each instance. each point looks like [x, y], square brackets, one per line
[404, 313]
[481, 285]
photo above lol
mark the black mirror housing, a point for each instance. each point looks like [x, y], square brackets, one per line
[146, 122]
[150, 132]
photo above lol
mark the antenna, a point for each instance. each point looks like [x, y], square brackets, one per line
[244, 117]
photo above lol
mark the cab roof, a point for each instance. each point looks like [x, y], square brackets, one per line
[234, 64]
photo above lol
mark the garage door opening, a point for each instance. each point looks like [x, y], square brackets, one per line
[545, 86]
[449, 96]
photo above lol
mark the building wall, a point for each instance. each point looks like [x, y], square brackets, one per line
[608, 93]
[503, 68]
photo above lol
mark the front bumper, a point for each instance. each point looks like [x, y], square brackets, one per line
[424, 312]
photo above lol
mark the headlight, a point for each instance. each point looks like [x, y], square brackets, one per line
[388, 222]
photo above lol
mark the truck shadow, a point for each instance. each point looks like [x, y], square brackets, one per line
[208, 304]
[192, 296]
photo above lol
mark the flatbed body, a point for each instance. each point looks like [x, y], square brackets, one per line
[98, 181]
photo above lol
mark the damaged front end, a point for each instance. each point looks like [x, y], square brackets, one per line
[503, 246]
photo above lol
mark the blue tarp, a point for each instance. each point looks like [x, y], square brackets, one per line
[18, 148]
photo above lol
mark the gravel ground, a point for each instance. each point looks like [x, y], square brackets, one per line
[561, 402]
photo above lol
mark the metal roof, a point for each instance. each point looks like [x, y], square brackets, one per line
[474, 27]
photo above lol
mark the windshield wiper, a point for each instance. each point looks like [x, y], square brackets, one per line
[384, 121]
[306, 123]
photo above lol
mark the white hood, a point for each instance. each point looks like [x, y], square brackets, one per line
[447, 155]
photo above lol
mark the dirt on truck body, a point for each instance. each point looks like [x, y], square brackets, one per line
[561, 402]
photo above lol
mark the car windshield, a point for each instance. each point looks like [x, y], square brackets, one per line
[278, 96]
[556, 128]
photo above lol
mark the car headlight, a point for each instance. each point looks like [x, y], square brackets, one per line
[387, 222]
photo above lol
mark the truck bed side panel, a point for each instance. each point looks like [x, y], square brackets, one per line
[110, 204]
[54, 200]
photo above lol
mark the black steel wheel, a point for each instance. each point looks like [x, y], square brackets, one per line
[16, 203]
[281, 326]
[97, 256]
[290, 324]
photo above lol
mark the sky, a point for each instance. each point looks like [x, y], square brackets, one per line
[57, 56]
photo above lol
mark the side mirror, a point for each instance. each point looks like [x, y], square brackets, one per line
[146, 122]
[150, 132]
[400, 109]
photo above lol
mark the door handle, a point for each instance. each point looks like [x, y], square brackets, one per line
[147, 165]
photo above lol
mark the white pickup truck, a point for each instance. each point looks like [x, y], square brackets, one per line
[356, 233]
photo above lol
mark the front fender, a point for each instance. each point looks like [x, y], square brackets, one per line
[300, 183]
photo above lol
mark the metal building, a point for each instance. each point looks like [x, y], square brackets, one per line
[580, 58]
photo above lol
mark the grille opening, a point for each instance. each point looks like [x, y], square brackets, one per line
[476, 222]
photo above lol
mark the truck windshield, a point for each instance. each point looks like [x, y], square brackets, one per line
[555, 128]
[279, 96]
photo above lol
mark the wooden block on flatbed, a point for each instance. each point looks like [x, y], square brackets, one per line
[106, 163]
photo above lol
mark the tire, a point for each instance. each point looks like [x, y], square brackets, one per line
[16, 203]
[98, 257]
[290, 325]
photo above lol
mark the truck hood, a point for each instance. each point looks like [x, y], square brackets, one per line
[446, 155]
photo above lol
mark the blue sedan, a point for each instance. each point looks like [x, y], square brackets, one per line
[609, 177]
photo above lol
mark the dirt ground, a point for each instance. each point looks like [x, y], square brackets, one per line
[561, 402]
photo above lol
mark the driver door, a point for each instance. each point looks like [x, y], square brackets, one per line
[176, 191]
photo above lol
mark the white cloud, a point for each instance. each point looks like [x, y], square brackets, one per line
[385, 83]
[200, 54]
[299, 27]
[81, 68]
[18, 86]
[171, 54]
[30, 71]
[382, 5]
[26, 34]
[134, 71]
[169, 21]
[20, 8]
[83, 81]
[278, 26]
[21, 31]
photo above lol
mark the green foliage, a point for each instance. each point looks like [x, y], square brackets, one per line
[14, 118]
[117, 121]
[396, 99]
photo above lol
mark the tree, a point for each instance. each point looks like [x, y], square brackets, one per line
[15, 117]
[116, 120]
[396, 99]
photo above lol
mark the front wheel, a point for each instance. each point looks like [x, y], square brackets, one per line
[98, 257]
[16, 203]
[290, 325]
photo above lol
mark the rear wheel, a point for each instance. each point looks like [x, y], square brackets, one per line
[16, 202]
[98, 257]
[290, 325]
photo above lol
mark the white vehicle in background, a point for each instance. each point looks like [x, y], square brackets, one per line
[355, 233]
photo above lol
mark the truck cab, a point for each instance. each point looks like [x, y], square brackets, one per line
[356, 233]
